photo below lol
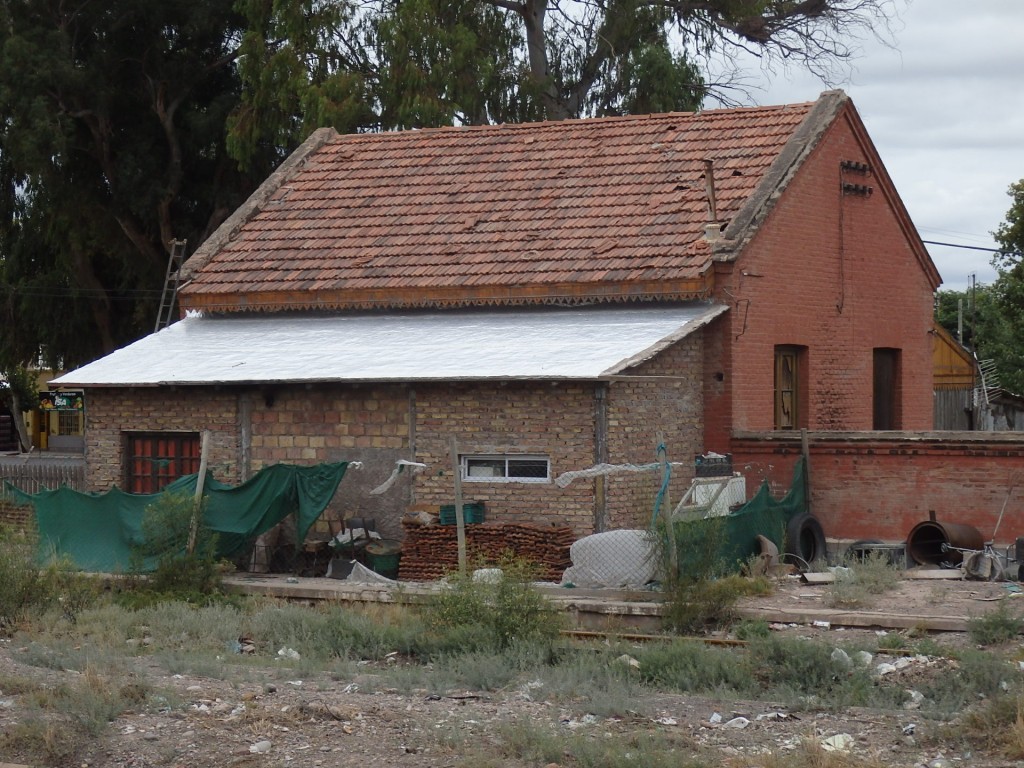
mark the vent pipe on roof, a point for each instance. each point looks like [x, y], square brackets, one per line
[709, 185]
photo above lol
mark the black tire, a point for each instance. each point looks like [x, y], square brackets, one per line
[805, 538]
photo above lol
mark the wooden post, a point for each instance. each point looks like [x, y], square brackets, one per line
[204, 456]
[805, 451]
[460, 520]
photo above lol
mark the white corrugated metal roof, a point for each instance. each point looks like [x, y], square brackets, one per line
[572, 343]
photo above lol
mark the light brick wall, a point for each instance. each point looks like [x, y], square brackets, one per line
[378, 424]
[330, 423]
[111, 412]
[638, 411]
[833, 273]
[556, 420]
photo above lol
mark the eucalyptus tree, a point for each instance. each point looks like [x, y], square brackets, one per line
[126, 124]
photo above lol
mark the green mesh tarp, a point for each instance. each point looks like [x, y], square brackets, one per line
[721, 544]
[98, 531]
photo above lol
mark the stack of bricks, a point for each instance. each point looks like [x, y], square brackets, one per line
[430, 552]
[19, 516]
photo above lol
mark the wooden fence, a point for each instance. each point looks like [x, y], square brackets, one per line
[33, 476]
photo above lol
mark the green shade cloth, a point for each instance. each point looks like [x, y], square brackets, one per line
[98, 531]
[722, 544]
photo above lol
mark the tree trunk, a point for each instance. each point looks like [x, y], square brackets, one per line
[19, 422]
[533, 14]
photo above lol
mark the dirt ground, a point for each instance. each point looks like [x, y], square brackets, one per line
[925, 604]
[359, 722]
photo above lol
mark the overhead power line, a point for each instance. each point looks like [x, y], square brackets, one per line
[968, 247]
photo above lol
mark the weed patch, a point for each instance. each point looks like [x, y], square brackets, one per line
[692, 667]
[695, 605]
[23, 585]
[493, 614]
[46, 742]
[177, 554]
[998, 626]
[60, 719]
[858, 580]
[652, 749]
[995, 726]
[813, 676]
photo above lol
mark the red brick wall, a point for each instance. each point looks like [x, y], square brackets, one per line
[880, 485]
[833, 273]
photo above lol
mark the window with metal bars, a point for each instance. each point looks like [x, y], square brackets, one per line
[69, 422]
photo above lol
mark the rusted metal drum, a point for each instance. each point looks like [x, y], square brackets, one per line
[928, 543]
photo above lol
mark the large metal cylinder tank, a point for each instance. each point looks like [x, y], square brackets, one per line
[929, 542]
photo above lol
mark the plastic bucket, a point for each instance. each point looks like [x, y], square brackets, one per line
[928, 541]
[383, 556]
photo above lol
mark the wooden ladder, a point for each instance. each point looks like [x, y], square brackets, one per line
[169, 297]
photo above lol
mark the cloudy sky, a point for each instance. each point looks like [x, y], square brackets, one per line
[945, 109]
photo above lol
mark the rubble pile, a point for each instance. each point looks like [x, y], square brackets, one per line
[431, 551]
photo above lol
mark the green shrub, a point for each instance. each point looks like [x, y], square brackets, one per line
[178, 552]
[976, 675]
[861, 579]
[998, 626]
[748, 630]
[329, 632]
[811, 675]
[24, 586]
[697, 604]
[493, 614]
[692, 667]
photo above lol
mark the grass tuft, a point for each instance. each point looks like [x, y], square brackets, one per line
[995, 627]
[859, 580]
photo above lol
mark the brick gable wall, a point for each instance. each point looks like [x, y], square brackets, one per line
[836, 274]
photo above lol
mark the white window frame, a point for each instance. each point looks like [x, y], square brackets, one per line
[471, 474]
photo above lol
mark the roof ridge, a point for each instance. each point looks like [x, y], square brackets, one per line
[576, 121]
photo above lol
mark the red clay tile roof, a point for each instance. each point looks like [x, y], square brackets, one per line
[608, 208]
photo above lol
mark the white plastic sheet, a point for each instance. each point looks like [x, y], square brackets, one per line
[625, 559]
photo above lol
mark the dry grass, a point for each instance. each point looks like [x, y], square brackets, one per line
[860, 581]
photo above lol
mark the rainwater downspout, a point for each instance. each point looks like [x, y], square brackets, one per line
[244, 437]
[600, 455]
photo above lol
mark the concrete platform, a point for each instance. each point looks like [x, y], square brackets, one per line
[601, 609]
